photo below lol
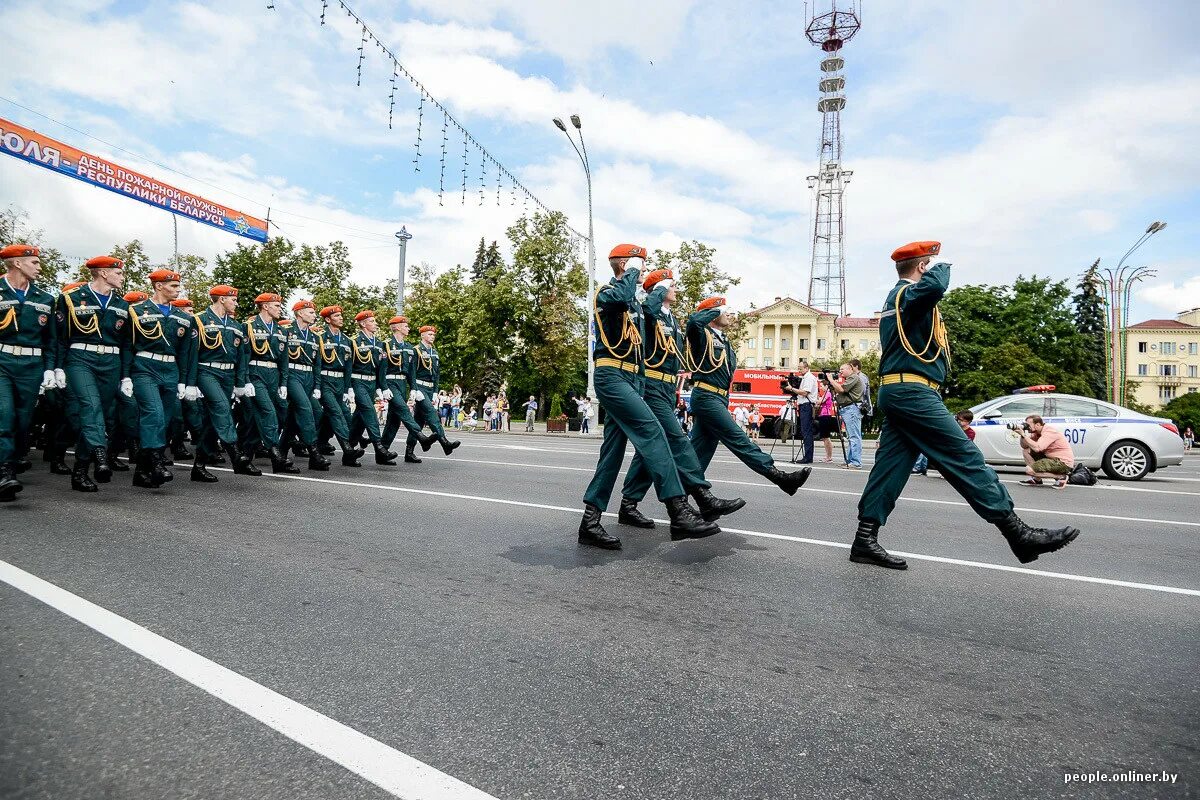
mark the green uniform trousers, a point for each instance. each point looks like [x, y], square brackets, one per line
[216, 409]
[398, 414]
[424, 414]
[303, 409]
[332, 410]
[20, 380]
[915, 420]
[92, 382]
[261, 414]
[712, 425]
[365, 417]
[630, 420]
[660, 397]
[156, 395]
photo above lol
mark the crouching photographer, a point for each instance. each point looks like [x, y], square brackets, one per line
[1047, 452]
[848, 394]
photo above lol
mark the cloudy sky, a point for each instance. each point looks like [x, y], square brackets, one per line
[1026, 136]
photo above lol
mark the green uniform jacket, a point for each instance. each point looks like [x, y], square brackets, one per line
[664, 340]
[267, 343]
[618, 313]
[426, 370]
[303, 350]
[336, 360]
[77, 309]
[710, 351]
[369, 361]
[222, 341]
[917, 306]
[172, 334]
[400, 358]
[27, 323]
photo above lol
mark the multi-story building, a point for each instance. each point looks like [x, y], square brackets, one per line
[779, 335]
[1163, 357]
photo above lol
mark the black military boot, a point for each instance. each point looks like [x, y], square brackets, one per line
[686, 523]
[350, 453]
[384, 456]
[410, 454]
[629, 515]
[593, 533]
[790, 482]
[216, 459]
[114, 460]
[326, 449]
[181, 451]
[301, 450]
[21, 465]
[867, 550]
[448, 446]
[159, 466]
[429, 441]
[58, 461]
[243, 463]
[103, 470]
[143, 474]
[712, 507]
[1028, 543]
[200, 473]
[80, 481]
[281, 463]
[316, 461]
[9, 485]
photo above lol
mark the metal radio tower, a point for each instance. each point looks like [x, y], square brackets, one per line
[827, 280]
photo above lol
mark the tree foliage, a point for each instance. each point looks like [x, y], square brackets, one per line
[1184, 411]
[16, 229]
[1090, 323]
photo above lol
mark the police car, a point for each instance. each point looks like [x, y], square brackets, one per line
[1126, 444]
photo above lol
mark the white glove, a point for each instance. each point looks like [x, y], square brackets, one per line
[387, 395]
[180, 391]
[127, 387]
[347, 397]
[239, 391]
[248, 390]
[191, 394]
[316, 394]
[48, 379]
[283, 393]
[60, 379]
[419, 394]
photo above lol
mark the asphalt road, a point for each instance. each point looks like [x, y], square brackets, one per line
[445, 611]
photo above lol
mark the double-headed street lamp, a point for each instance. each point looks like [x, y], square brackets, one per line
[1118, 286]
[587, 171]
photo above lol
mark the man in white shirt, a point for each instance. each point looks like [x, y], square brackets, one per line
[741, 417]
[805, 395]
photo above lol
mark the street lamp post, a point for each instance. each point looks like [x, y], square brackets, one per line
[587, 171]
[402, 236]
[1117, 288]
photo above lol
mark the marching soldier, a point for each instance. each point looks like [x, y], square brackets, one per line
[187, 420]
[368, 378]
[161, 362]
[303, 394]
[27, 357]
[619, 383]
[60, 432]
[426, 373]
[661, 360]
[268, 371]
[915, 420]
[123, 433]
[336, 355]
[400, 363]
[92, 330]
[221, 377]
[713, 361]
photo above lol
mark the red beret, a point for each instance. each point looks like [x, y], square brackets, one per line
[329, 311]
[360, 316]
[268, 297]
[105, 262]
[136, 297]
[710, 302]
[627, 251]
[284, 321]
[18, 251]
[303, 304]
[73, 285]
[916, 250]
[182, 302]
[396, 320]
[222, 290]
[164, 275]
[425, 328]
[657, 275]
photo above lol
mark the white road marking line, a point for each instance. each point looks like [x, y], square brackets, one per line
[761, 534]
[388, 768]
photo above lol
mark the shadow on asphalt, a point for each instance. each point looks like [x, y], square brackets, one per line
[642, 546]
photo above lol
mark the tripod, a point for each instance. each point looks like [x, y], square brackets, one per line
[792, 438]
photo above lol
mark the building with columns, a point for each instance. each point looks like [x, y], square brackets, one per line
[1163, 357]
[779, 335]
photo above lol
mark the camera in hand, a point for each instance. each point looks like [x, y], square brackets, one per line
[790, 382]
[1018, 426]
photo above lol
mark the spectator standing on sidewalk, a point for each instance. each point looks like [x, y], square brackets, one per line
[848, 395]
[585, 416]
[742, 417]
[531, 407]
[455, 405]
[756, 419]
[827, 423]
[805, 396]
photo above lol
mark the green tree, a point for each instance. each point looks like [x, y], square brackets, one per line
[56, 269]
[439, 300]
[1184, 411]
[496, 302]
[193, 269]
[137, 265]
[1090, 324]
[696, 275]
[274, 266]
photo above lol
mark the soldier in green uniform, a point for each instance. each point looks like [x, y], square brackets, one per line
[303, 395]
[123, 431]
[400, 363]
[915, 420]
[336, 364]
[61, 431]
[426, 374]
[187, 420]
[712, 360]
[662, 365]
[619, 384]
[263, 412]
[92, 330]
[221, 377]
[367, 380]
[27, 357]
[161, 362]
